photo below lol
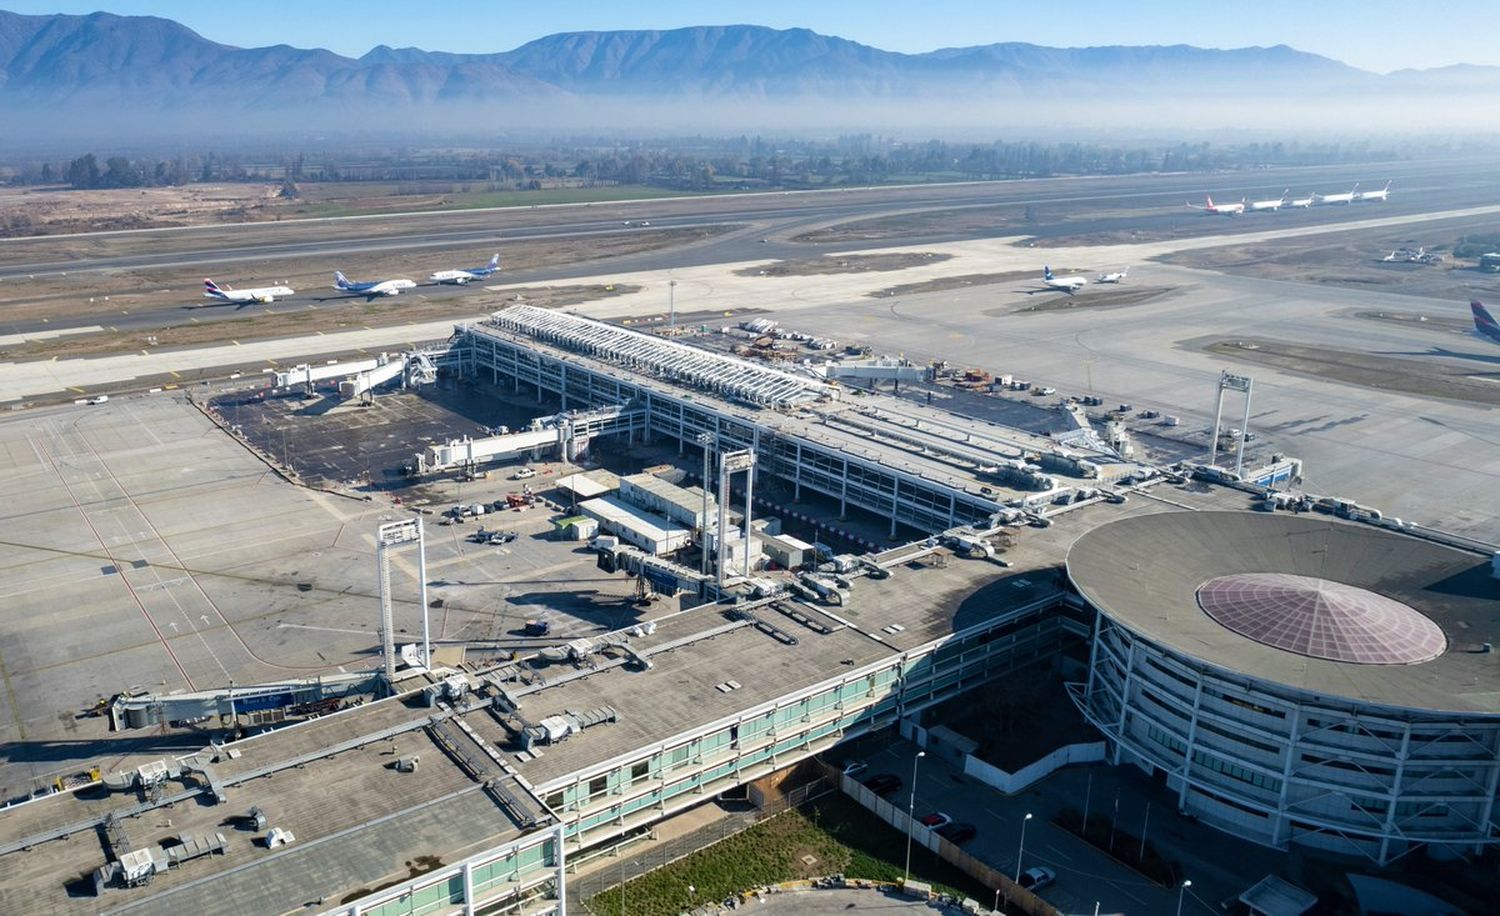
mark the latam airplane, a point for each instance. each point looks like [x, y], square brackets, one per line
[1277, 204]
[1344, 198]
[1484, 322]
[371, 289]
[1219, 209]
[244, 297]
[461, 277]
[1302, 203]
[1069, 285]
[1382, 194]
[1117, 276]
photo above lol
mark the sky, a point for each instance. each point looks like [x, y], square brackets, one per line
[1377, 35]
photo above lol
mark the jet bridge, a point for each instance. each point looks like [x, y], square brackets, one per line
[357, 378]
[568, 433]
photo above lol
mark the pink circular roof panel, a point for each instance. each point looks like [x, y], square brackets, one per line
[1321, 619]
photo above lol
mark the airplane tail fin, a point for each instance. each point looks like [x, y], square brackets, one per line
[210, 288]
[495, 262]
[1210, 200]
[1046, 272]
[339, 280]
[1484, 322]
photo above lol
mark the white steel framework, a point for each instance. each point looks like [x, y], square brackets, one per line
[733, 378]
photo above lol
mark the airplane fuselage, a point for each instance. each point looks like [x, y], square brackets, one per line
[265, 294]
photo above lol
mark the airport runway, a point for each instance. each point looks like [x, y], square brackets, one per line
[1150, 204]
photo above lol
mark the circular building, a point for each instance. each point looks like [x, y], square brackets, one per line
[1296, 679]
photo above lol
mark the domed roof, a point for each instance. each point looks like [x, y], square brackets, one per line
[1321, 619]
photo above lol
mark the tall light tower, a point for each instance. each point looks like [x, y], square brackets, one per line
[388, 537]
[1228, 381]
[705, 441]
[672, 306]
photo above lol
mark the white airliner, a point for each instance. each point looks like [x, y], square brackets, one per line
[464, 276]
[1382, 194]
[1116, 277]
[1277, 204]
[1344, 198]
[1069, 285]
[1220, 209]
[1302, 203]
[213, 290]
[373, 288]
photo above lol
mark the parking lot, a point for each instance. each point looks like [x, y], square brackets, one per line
[1086, 876]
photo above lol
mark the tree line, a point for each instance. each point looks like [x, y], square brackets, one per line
[698, 163]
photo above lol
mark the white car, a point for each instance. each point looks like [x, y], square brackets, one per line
[1034, 879]
[523, 473]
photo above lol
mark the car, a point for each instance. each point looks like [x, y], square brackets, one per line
[1034, 879]
[936, 819]
[958, 832]
[503, 537]
[883, 783]
[853, 767]
[523, 473]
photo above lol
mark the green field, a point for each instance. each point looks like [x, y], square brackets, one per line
[840, 836]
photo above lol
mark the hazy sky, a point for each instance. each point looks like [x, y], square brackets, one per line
[1376, 35]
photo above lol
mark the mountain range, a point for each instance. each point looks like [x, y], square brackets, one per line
[114, 67]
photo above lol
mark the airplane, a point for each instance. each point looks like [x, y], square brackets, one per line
[1382, 194]
[1219, 209]
[1344, 198]
[244, 297]
[1069, 285]
[461, 277]
[371, 289]
[1484, 322]
[1270, 204]
[1116, 277]
[1302, 202]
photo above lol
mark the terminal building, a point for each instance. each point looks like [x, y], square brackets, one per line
[1296, 679]
[493, 778]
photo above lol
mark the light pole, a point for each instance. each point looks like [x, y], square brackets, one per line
[1180, 892]
[996, 907]
[1021, 850]
[911, 809]
[672, 305]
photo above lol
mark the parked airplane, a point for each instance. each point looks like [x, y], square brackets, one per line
[244, 297]
[1302, 202]
[1484, 322]
[1344, 198]
[1116, 277]
[1276, 204]
[1382, 194]
[464, 276]
[371, 289]
[1069, 285]
[1219, 209]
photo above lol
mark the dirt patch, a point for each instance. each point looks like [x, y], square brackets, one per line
[51, 211]
[845, 264]
[945, 283]
[1117, 297]
[925, 223]
[1435, 377]
[406, 309]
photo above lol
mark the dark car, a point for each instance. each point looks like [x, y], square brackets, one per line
[958, 832]
[883, 783]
